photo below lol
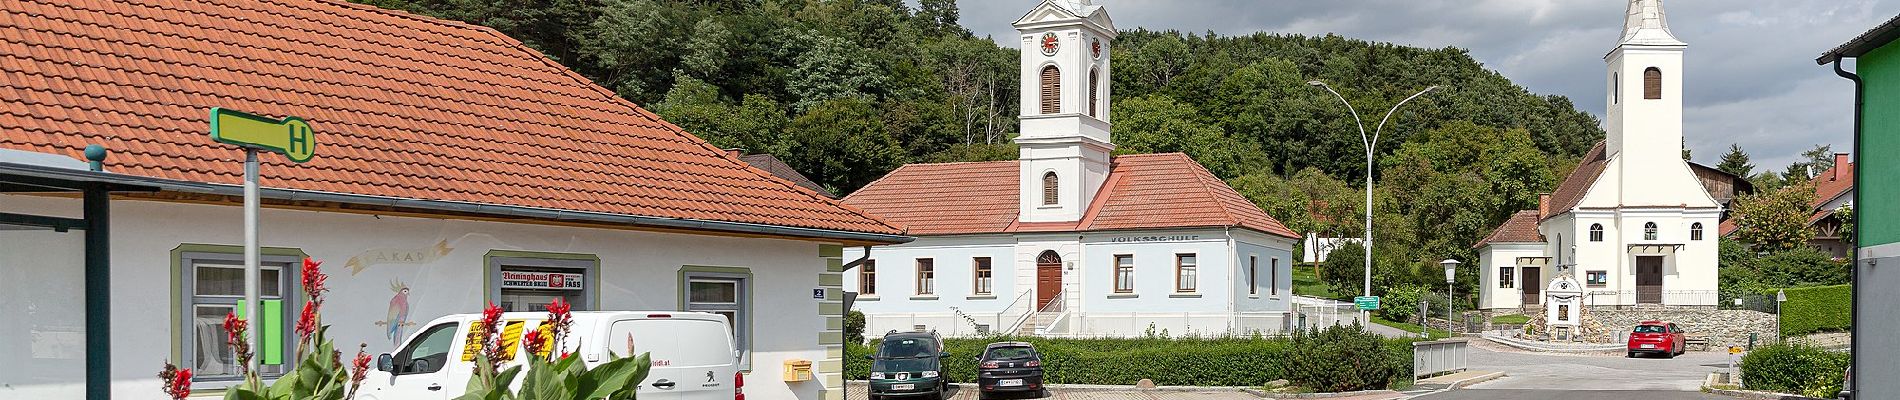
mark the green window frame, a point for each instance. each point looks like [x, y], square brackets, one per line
[276, 333]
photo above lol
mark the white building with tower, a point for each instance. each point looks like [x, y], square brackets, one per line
[1633, 223]
[1069, 240]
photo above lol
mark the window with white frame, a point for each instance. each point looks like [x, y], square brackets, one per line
[867, 278]
[1186, 273]
[926, 277]
[1273, 277]
[212, 287]
[1124, 273]
[983, 275]
[1507, 277]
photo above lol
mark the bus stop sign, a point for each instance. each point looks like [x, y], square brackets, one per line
[290, 136]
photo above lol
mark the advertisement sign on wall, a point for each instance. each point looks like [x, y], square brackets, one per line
[540, 280]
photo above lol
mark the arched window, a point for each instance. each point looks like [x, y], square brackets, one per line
[1695, 231]
[1652, 83]
[1596, 232]
[1048, 257]
[1051, 90]
[1095, 84]
[1616, 88]
[1049, 189]
[1649, 231]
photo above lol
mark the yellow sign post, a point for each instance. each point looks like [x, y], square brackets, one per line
[290, 136]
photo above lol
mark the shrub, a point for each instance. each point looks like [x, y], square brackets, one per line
[1795, 368]
[1343, 358]
[854, 327]
[1802, 266]
[1223, 361]
[1816, 309]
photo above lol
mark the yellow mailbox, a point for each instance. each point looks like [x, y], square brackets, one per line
[797, 370]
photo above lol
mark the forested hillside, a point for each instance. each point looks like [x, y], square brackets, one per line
[846, 90]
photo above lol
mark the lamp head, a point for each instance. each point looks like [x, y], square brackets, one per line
[1451, 269]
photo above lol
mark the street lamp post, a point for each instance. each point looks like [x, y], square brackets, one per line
[1371, 143]
[1451, 271]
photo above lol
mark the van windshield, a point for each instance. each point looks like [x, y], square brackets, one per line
[904, 364]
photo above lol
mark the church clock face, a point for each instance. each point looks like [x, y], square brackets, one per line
[1095, 48]
[1049, 44]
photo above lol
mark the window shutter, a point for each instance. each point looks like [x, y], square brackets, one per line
[1051, 90]
[1049, 188]
[1652, 83]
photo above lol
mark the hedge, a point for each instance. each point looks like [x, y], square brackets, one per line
[1227, 361]
[1796, 369]
[1816, 309]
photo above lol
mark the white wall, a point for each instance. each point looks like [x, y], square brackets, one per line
[1495, 256]
[639, 271]
[42, 298]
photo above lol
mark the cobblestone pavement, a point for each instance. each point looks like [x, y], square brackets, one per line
[856, 392]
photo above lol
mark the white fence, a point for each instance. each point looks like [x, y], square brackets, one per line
[1439, 357]
[1310, 312]
[1108, 324]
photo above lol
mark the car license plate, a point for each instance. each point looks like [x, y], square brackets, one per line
[903, 386]
[1009, 382]
[1649, 346]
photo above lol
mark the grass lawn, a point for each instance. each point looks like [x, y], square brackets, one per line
[1436, 333]
[1513, 319]
[1305, 283]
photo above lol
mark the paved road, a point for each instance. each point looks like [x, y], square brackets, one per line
[1598, 376]
[856, 392]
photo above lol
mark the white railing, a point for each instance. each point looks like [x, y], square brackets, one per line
[1653, 296]
[1438, 357]
[1311, 312]
[1024, 301]
[1075, 324]
[1054, 306]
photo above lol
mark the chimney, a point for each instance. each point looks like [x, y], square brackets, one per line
[1543, 206]
[1840, 166]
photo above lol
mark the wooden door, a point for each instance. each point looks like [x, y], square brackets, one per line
[1649, 277]
[1532, 281]
[1048, 278]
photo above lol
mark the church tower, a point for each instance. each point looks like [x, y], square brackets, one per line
[1064, 146]
[1644, 117]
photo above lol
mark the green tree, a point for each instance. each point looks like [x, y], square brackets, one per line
[1159, 124]
[1775, 220]
[1802, 266]
[842, 144]
[1736, 162]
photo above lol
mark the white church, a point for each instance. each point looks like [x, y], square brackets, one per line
[1069, 240]
[1633, 225]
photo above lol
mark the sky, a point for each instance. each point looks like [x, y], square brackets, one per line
[1749, 74]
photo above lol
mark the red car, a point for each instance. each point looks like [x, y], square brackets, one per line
[1656, 337]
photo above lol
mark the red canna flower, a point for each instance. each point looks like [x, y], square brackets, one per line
[491, 336]
[359, 371]
[537, 341]
[560, 320]
[307, 321]
[177, 382]
[313, 279]
[234, 336]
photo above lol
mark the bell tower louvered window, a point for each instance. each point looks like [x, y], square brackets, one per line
[1049, 189]
[1051, 92]
[1652, 83]
[1095, 85]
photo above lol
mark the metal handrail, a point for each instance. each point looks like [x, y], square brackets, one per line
[1031, 311]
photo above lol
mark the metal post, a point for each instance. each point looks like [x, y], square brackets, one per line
[251, 273]
[1371, 143]
[97, 207]
[1448, 309]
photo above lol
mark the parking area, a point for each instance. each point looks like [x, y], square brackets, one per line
[855, 391]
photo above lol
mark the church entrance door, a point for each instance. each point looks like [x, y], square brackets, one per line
[1048, 278]
[1533, 284]
[1649, 277]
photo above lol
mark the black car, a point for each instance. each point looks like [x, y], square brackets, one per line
[909, 364]
[1009, 367]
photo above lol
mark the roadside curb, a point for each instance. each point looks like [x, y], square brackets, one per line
[1521, 345]
[1754, 395]
[1289, 396]
[1460, 384]
[1105, 388]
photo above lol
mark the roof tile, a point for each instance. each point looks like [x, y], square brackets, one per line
[407, 106]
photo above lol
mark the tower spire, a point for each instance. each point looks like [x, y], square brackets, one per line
[1646, 24]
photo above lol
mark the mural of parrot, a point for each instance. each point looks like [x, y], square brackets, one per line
[397, 319]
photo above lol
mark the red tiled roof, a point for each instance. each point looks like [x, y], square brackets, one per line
[1574, 187]
[778, 168]
[404, 106]
[1826, 188]
[1142, 191]
[1520, 228]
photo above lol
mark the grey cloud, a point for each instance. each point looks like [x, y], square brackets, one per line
[1751, 77]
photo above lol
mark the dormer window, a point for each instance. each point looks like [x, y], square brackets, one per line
[1051, 90]
[1049, 189]
[1652, 83]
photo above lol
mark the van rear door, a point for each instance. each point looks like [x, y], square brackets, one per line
[692, 355]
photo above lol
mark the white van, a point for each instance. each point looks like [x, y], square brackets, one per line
[692, 354]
